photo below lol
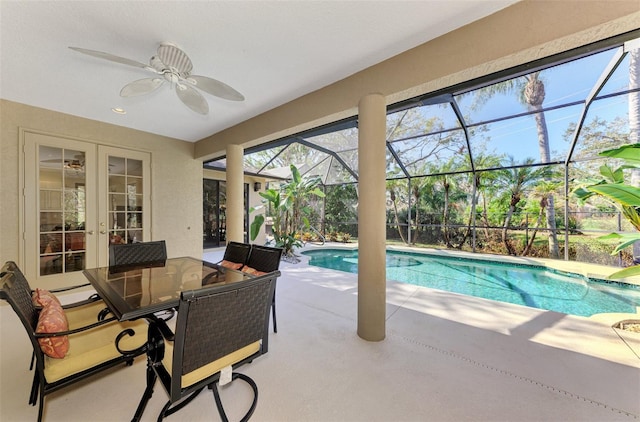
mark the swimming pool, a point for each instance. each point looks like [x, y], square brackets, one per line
[529, 285]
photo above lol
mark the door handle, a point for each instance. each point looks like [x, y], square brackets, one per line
[103, 231]
[90, 232]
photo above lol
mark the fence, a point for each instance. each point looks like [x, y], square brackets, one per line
[521, 237]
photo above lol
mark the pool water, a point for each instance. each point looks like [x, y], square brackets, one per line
[528, 285]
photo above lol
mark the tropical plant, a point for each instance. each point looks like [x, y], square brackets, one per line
[518, 181]
[486, 184]
[340, 211]
[290, 210]
[624, 197]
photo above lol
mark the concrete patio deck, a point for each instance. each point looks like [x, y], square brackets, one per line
[446, 357]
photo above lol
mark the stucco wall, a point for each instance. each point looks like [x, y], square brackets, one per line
[176, 177]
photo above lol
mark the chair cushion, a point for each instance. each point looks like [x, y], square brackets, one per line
[252, 271]
[53, 320]
[81, 316]
[93, 347]
[211, 368]
[230, 264]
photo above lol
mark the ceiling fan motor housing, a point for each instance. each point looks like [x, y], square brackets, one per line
[174, 59]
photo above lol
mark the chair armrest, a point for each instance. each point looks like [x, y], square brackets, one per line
[75, 330]
[91, 299]
[64, 289]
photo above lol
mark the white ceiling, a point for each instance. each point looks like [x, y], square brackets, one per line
[270, 51]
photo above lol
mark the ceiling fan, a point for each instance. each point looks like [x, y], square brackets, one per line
[171, 64]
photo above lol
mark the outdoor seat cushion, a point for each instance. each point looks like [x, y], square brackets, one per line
[252, 271]
[84, 315]
[92, 347]
[210, 368]
[230, 264]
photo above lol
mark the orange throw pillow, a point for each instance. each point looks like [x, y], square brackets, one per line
[42, 297]
[252, 271]
[53, 320]
[229, 264]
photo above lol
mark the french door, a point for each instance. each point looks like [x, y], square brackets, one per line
[78, 198]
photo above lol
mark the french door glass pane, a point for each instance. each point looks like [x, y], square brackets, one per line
[62, 206]
[125, 200]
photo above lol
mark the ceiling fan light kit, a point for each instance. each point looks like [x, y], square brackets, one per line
[172, 65]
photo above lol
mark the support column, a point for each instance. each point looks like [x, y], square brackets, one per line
[235, 193]
[372, 276]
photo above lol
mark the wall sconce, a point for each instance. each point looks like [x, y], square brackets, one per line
[257, 186]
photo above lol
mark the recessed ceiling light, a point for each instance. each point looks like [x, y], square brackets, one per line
[119, 110]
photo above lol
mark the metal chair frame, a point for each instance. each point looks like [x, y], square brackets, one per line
[212, 323]
[266, 259]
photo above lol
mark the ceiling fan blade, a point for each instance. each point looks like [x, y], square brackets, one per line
[141, 87]
[192, 98]
[215, 87]
[110, 57]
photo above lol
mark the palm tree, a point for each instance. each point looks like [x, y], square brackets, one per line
[417, 188]
[393, 186]
[531, 92]
[485, 181]
[541, 192]
[448, 183]
[534, 97]
[518, 180]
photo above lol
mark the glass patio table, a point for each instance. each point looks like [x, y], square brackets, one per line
[140, 291]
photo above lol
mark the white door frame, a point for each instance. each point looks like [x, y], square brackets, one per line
[96, 182]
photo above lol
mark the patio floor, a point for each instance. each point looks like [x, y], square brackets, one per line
[446, 357]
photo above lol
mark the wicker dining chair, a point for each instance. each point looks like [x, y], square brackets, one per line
[72, 354]
[218, 329]
[265, 259]
[139, 253]
[235, 255]
[125, 256]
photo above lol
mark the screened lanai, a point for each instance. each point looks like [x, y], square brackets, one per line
[489, 165]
